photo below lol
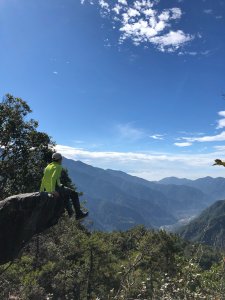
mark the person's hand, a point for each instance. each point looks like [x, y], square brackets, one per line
[217, 162]
[55, 194]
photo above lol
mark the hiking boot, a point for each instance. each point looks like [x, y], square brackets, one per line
[80, 215]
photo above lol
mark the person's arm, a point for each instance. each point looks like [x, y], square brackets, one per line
[56, 178]
[42, 188]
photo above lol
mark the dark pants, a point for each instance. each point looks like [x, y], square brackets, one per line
[70, 198]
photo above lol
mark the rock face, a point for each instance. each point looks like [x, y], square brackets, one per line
[22, 216]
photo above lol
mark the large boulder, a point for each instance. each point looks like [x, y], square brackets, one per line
[22, 216]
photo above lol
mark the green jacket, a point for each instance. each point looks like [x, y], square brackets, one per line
[51, 177]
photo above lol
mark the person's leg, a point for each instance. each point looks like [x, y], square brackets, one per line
[73, 195]
[66, 198]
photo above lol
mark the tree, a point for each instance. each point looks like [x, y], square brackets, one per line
[24, 151]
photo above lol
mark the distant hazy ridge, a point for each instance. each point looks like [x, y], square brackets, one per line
[118, 201]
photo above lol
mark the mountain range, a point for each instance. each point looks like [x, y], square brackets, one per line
[208, 227]
[213, 187]
[118, 201]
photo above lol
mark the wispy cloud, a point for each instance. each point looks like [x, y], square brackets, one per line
[157, 136]
[221, 122]
[194, 53]
[191, 53]
[208, 138]
[183, 144]
[78, 153]
[105, 6]
[208, 11]
[151, 166]
[142, 22]
[186, 133]
[186, 141]
[129, 132]
[79, 142]
[219, 148]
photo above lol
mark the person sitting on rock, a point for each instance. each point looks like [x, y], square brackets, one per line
[51, 183]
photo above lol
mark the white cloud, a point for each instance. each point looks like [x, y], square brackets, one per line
[176, 13]
[78, 153]
[221, 122]
[141, 22]
[150, 28]
[149, 12]
[208, 11]
[124, 2]
[157, 136]
[55, 72]
[127, 131]
[188, 141]
[117, 8]
[221, 113]
[219, 148]
[207, 138]
[172, 40]
[89, 1]
[143, 4]
[191, 53]
[104, 5]
[183, 144]
[151, 166]
[131, 12]
[139, 32]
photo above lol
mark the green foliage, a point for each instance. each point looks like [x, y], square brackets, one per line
[68, 262]
[24, 151]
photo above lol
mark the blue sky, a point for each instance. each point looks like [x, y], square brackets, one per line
[129, 85]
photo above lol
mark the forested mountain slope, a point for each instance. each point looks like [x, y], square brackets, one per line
[68, 262]
[209, 227]
[119, 201]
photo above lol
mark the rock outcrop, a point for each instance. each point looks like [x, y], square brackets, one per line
[22, 216]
